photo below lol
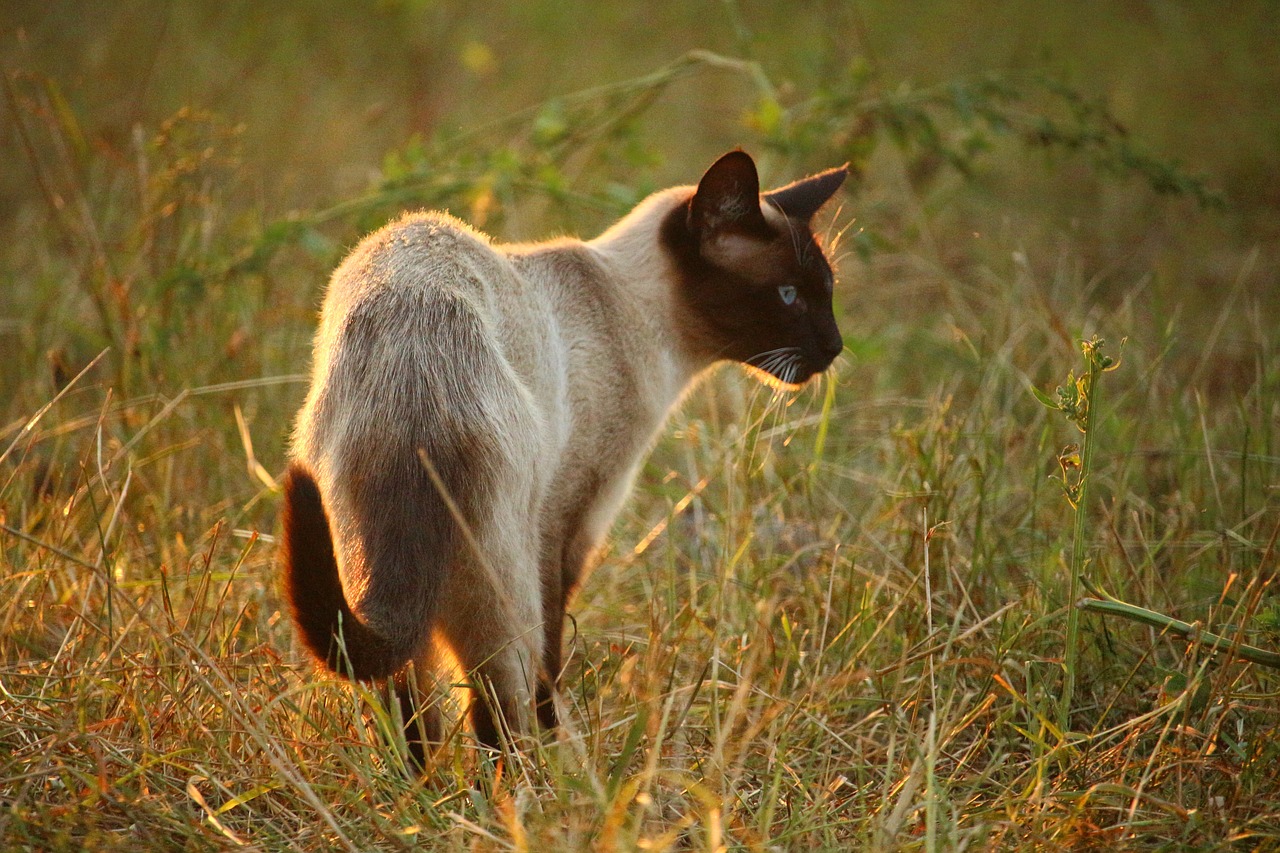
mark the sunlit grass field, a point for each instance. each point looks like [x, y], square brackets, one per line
[844, 618]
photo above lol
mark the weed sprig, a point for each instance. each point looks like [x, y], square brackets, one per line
[1077, 400]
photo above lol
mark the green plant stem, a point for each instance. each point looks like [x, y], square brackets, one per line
[1187, 630]
[1078, 545]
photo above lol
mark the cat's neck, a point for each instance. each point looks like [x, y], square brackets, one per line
[630, 282]
[644, 275]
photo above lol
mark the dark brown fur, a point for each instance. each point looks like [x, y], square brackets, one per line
[733, 313]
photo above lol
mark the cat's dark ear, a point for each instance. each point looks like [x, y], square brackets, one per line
[728, 197]
[804, 198]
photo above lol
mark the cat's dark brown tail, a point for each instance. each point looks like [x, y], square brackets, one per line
[332, 632]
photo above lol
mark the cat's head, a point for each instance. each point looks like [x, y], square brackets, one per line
[754, 284]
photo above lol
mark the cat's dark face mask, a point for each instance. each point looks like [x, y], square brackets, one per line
[755, 285]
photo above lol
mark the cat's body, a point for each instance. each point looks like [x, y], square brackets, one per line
[477, 414]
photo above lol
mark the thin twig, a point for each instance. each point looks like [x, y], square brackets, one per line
[1189, 631]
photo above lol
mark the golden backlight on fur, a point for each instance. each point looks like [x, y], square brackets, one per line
[477, 414]
[770, 381]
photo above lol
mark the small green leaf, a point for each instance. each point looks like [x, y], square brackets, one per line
[1045, 399]
[766, 117]
[551, 124]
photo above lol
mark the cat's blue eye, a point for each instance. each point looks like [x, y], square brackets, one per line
[787, 293]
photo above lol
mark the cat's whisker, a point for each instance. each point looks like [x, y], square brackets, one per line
[753, 360]
[835, 232]
[783, 360]
[769, 414]
[773, 362]
[768, 352]
[795, 240]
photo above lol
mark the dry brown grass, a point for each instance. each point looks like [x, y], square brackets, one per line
[829, 621]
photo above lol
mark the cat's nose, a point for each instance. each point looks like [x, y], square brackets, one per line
[833, 346]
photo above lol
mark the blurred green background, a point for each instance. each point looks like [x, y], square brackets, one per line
[179, 178]
[325, 89]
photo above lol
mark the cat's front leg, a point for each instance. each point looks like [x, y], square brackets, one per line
[562, 570]
[553, 603]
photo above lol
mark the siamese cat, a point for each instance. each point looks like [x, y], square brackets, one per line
[477, 414]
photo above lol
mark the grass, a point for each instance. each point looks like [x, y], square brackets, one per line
[833, 620]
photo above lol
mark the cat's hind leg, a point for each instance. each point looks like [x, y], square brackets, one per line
[495, 630]
[420, 690]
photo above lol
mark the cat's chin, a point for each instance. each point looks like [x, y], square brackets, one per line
[790, 383]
